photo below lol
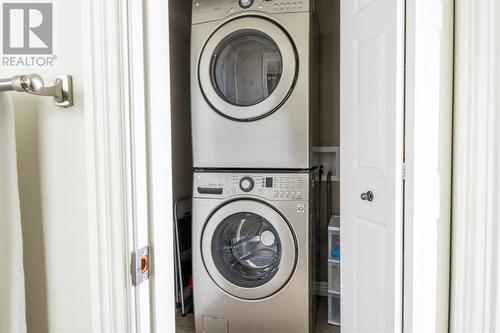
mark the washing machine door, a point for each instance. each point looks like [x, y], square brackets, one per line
[247, 68]
[248, 249]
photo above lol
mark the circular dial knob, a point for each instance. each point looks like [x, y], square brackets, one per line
[246, 184]
[246, 3]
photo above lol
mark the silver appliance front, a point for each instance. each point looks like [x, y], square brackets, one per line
[248, 249]
[257, 230]
[253, 98]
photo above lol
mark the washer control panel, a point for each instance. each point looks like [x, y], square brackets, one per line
[209, 10]
[275, 186]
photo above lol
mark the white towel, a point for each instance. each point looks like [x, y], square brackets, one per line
[12, 299]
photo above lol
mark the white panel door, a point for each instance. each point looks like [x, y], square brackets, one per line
[372, 109]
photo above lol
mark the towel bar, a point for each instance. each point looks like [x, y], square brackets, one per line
[62, 90]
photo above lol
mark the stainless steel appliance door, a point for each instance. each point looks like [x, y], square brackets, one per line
[248, 249]
[247, 68]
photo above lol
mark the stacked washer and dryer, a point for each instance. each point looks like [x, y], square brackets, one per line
[254, 118]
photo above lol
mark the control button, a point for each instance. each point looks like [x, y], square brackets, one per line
[232, 190]
[275, 5]
[293, 194]
[281, 194]
[246, 184]
[282, 5]
[300, 4]
[261, 191]
[287, 194]
[260, 6]
[231, 9]
[299, 194]
[275, 193]
[287, 5]
[294, 4]
[246, 3]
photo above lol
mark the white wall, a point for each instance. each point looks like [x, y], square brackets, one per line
[51, 156]
[475, 298]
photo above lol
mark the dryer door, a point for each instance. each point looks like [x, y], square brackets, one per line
[247, 68]
[249, 249]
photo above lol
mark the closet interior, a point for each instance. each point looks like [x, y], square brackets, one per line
[326, 251]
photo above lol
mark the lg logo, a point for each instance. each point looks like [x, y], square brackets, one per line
[27, 28]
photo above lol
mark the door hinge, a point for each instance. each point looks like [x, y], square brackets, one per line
[404, 171]
[140, 265]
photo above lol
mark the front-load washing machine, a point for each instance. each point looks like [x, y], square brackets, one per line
[252, 252]
[254, 84]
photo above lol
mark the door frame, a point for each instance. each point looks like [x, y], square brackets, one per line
[116, 128]
[159, 148]
[417, 298]
[428, 168]
[475, 290]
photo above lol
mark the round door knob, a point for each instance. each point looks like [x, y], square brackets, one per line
[246, 184]
[368, 196]
[246, 3]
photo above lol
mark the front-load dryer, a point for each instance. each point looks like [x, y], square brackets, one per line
[252, 252]
[254, 84]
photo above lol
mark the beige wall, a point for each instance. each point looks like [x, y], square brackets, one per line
[180, 30]
[329, 25]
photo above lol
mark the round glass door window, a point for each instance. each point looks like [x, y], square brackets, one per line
[246, 249]
[246, 67]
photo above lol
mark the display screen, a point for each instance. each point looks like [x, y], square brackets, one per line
[269, 182]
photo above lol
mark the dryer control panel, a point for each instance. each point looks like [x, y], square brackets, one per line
[270, 186]
[209, 10]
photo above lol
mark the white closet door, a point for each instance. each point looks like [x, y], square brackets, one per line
[372, 109]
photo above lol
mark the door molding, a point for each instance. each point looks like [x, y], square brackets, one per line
[116, 175]
[475, 300]
[160, 182]
[428, 132]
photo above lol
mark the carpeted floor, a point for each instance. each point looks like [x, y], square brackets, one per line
[186, 324]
